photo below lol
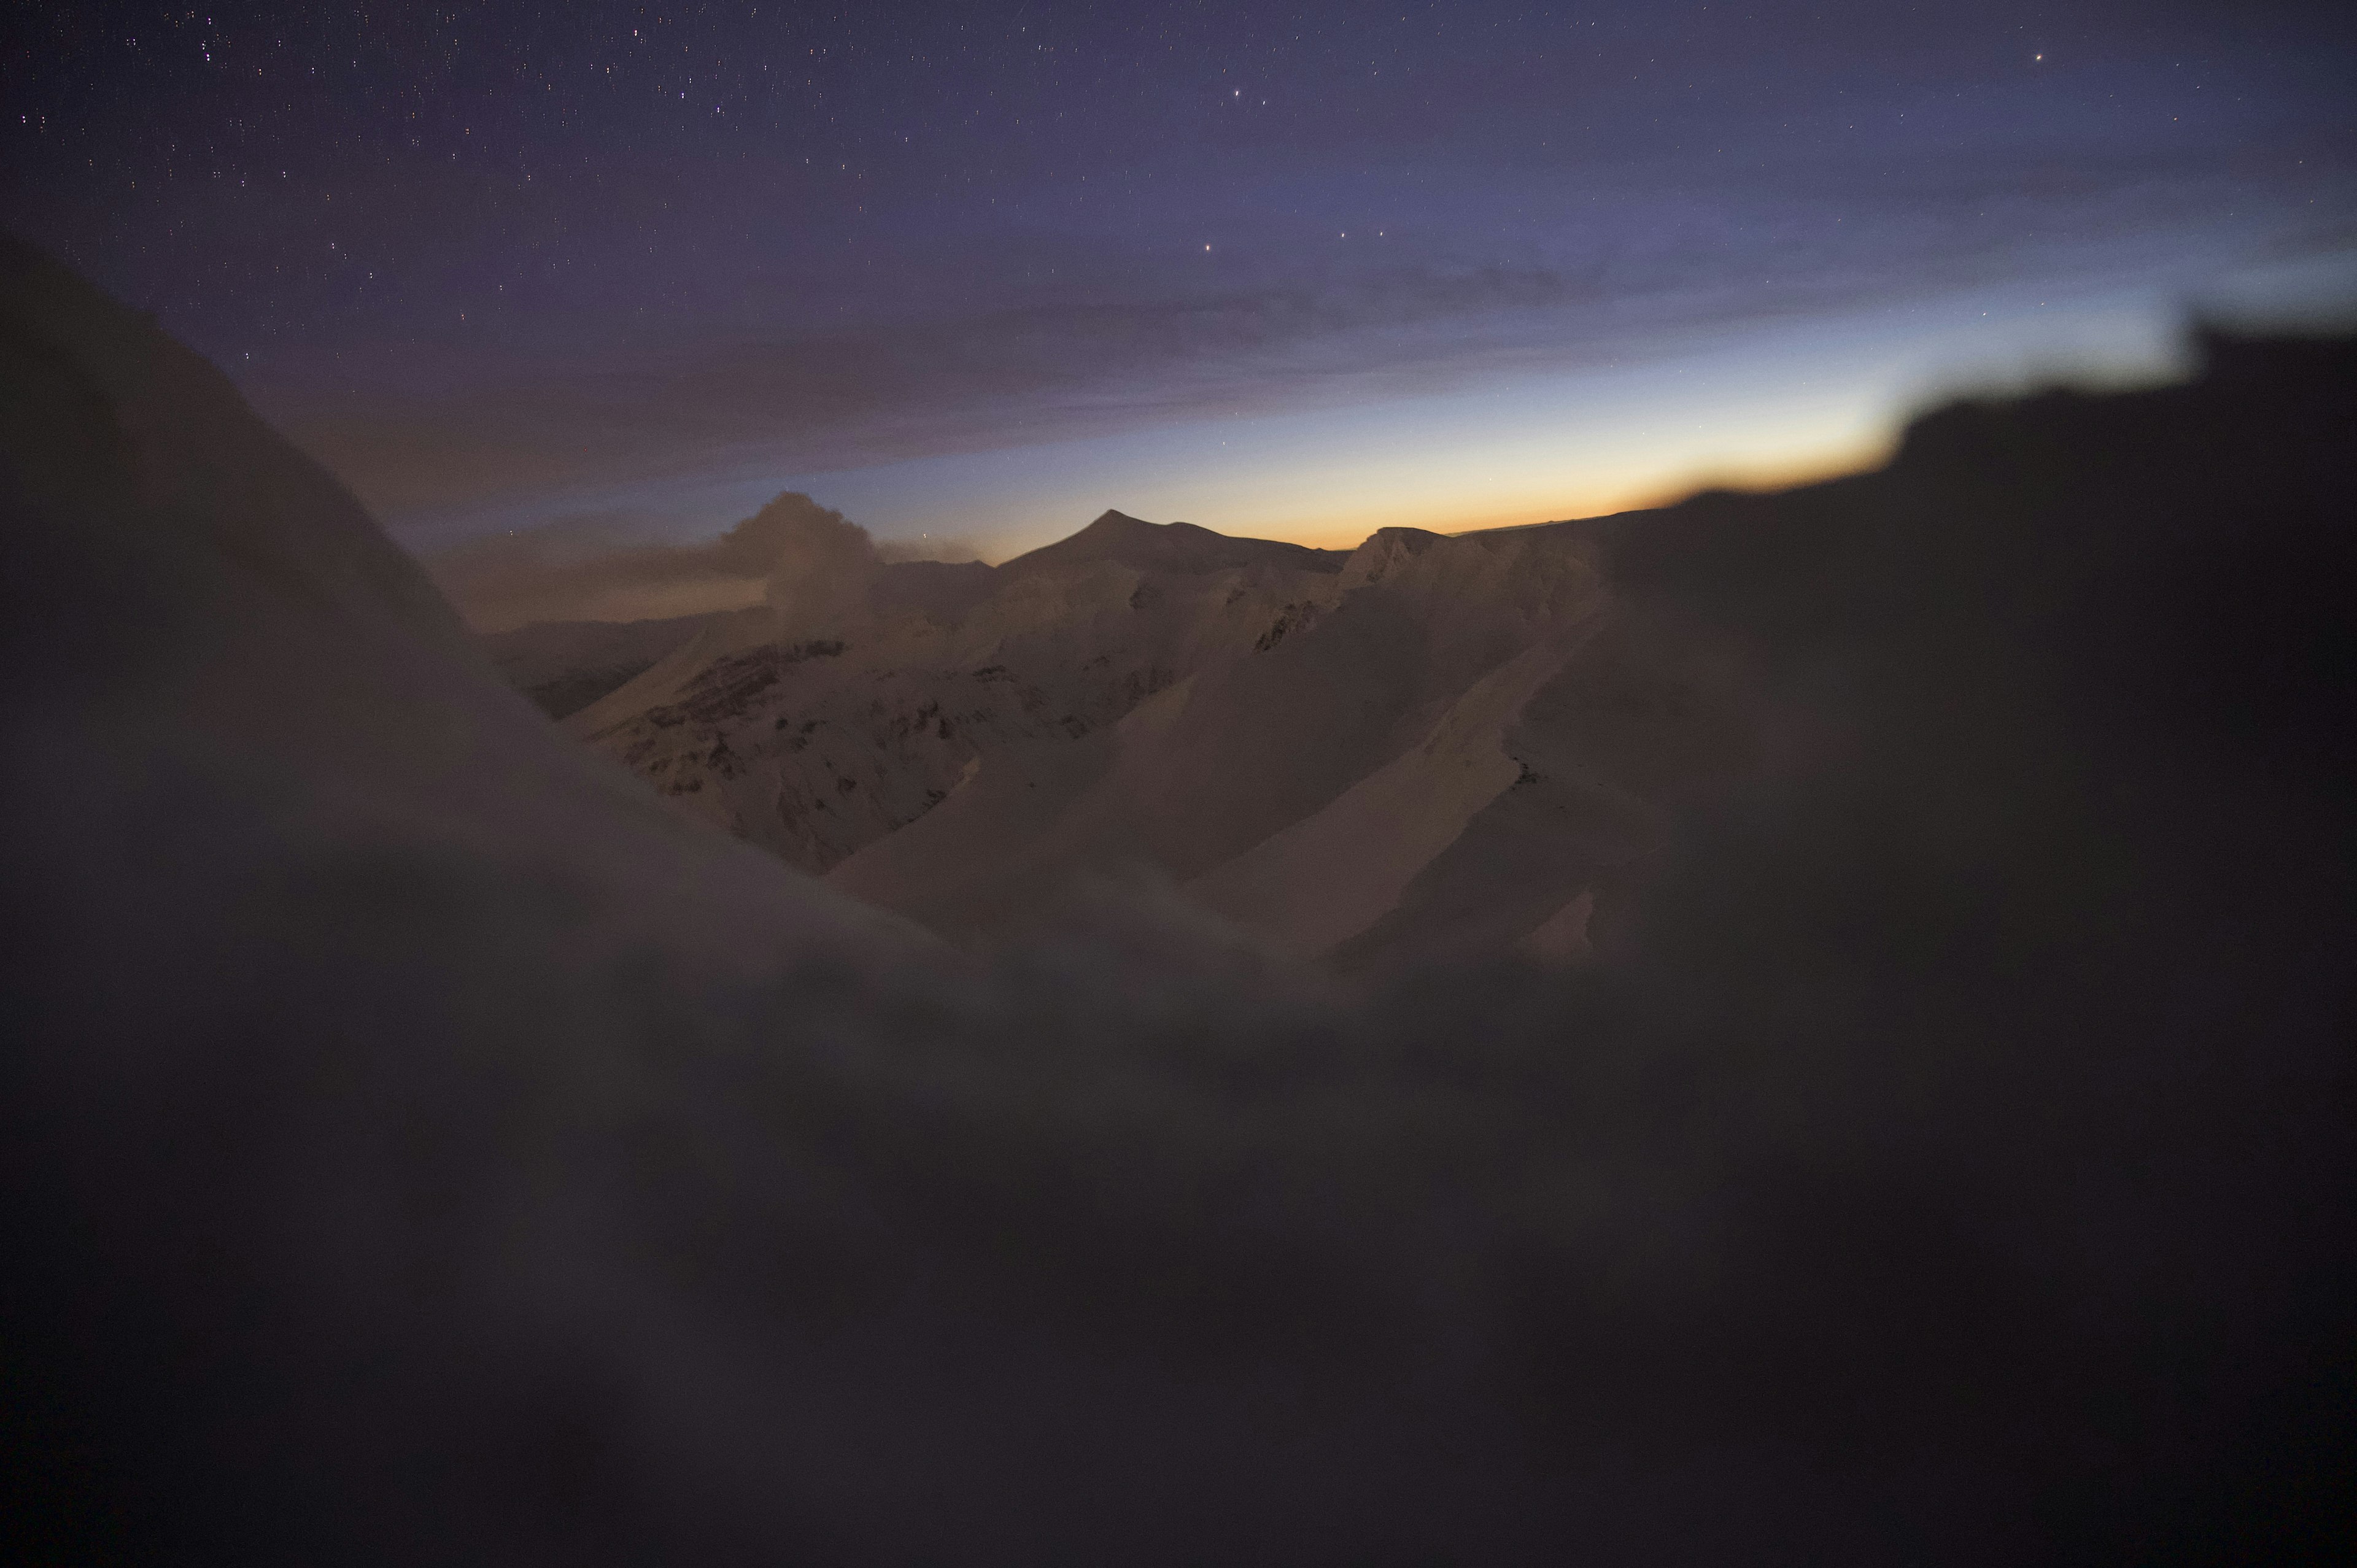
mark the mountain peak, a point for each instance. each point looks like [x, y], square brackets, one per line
[1182, 547]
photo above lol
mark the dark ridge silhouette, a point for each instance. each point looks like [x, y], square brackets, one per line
[1170, 547]
[420, 1145]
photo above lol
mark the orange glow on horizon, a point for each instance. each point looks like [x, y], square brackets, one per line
[1331, 527]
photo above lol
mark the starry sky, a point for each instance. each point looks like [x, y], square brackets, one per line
[600, 276]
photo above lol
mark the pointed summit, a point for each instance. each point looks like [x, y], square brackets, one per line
[1179, 547]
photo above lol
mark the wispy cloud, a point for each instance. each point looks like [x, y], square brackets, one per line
[1531, 265]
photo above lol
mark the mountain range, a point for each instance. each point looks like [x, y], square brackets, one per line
[1426, 746]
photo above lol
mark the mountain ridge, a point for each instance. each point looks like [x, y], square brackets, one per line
[1183, 547]
[1282, 678]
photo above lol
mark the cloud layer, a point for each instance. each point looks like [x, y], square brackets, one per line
[580, 573]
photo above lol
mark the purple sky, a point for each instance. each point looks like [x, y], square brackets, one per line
[623, 272]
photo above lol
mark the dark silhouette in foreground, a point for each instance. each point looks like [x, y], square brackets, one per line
[421, 1147]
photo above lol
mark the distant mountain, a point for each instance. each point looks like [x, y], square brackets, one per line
[818, 745]
[1176, 547]
[1416, 648]
[1296, 735]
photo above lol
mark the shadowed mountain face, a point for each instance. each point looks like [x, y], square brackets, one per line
[422, 1145]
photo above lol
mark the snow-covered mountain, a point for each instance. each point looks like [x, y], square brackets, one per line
[1338, 752]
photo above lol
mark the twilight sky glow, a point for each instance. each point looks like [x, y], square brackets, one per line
[620, 272]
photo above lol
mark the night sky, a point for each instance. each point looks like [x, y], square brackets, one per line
[978, 272]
